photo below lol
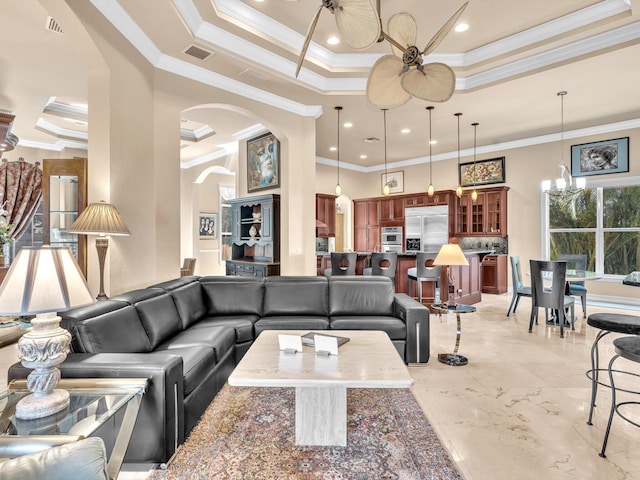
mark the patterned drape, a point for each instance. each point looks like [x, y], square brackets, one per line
[20, 193]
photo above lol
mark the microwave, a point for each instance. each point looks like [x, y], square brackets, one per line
[391, 236]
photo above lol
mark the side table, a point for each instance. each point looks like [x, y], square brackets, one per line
[453, 359]
[93, 402]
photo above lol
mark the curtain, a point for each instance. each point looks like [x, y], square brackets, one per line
[20, 194]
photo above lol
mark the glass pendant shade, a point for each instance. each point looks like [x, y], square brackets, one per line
[338, 190]
[431, 190]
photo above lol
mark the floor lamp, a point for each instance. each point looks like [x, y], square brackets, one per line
[451, 254]
[100, 219]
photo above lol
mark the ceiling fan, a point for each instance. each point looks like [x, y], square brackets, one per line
[357, 21]
[395, 78]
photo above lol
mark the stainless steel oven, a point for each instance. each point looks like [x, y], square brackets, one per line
[391, 239]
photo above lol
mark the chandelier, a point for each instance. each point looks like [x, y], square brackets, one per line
[565, 185]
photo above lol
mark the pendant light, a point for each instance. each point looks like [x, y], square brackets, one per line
[430, 188]
[459, 189]
[474, 193]
[338, 187]
[385, 188]
[564, 185]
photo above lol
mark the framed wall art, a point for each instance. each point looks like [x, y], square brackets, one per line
[207, 225]
[482, 172]
[598, 158]
[263, 163]
[395, 181]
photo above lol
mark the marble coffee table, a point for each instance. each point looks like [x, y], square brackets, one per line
[368, 360]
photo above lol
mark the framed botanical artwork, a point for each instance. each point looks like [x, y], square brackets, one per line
[263, 162]
[482, 172]
[207, 225]
[598, 158]
[395, 180]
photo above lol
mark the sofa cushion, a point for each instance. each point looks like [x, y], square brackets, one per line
[296, 296]
[188, 297]
[290, 322]
[242, 324]
[114, 331]
[361, 295]
[197, 362]
[233, 295]
[394, 327]
[159, 317]
[220, 339]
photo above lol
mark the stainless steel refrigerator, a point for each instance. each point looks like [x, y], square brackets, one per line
[429, 225]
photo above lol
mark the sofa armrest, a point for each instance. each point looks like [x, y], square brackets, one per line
[416, 318]
[160, 423]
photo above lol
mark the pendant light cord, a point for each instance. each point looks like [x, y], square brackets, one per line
[430, 178]
[384, 112]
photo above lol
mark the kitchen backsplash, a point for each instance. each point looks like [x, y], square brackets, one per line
[499, 244]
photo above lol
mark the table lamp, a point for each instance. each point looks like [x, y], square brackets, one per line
[100, 219]
[450, 254]
[42, 281]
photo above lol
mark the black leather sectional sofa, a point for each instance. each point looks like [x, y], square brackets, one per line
[186, 335]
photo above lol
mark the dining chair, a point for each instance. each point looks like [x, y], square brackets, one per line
[424, 271]
[384, 264]
[553, 298]
[188, 267]
[519, 289]
[342, 263]
[577, 289]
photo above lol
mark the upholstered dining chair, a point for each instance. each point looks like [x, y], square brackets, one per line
[577, 289]
[553, 298]
[424, 271]
[342, 263]
[188, 267]
[519, 289]
[384, 264]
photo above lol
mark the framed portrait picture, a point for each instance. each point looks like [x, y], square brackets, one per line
[395, 181]
[482, 172]
[263, 163]
[207, 226]
[598, 158]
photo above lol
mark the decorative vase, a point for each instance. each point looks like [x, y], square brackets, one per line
[253, 231]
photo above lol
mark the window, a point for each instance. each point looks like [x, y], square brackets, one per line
[602, 222]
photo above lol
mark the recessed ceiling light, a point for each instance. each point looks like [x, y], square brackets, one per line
[333, 149]
[433, 142]
[333, 40]
[363, 156]
[405, 130]
[462, 27]
[347, 125]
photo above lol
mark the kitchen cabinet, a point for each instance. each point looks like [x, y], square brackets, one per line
[326, 214]
[416, 200]
[391, 212]
[366, 221]
[466, 281]
[255, 236]
[487, 216]
[494, 274]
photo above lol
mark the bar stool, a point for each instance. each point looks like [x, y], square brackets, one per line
[629, 348]
[384, 264]
[424, 273]
[607, 323]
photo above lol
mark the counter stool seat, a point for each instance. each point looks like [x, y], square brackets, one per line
[607, 323]
[628, 348]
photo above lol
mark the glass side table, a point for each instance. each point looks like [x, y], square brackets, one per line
[453, 359]
[93, 402]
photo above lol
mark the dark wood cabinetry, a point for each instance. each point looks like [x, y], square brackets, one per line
[391, 212]
[366, 215]
[466, 281]
[494, 274]
[487, 216]
[255, 236]
[325, 215]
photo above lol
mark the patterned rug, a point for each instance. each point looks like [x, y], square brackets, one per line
[249, 433]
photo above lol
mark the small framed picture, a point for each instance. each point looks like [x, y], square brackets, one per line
[207, 226]
[599, 158]
[263, 163]
[395, 180]
[482, 172]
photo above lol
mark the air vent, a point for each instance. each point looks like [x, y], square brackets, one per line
[371, 139]
[254, 74]
[197, 52]
[53, 26]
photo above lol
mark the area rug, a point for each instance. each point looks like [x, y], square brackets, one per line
[249, 434]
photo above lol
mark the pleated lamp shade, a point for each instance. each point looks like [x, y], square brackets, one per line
[100, 219]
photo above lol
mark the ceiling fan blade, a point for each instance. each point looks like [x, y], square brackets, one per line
[435, 83]
[307, 40]
[358, 22]
[402, 28]
[440, 34]
[384, 88]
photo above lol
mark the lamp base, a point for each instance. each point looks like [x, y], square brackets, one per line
[33, 406]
